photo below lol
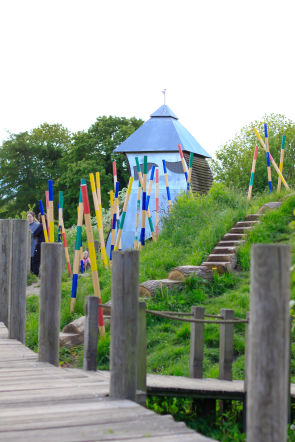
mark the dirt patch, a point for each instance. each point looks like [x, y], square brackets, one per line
[33, 289]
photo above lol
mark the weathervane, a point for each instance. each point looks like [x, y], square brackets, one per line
[164, 92]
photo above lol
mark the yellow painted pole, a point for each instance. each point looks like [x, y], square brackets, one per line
[92, 255]
[281, 162]
[99, 222]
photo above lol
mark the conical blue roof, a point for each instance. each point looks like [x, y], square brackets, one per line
[161, 133]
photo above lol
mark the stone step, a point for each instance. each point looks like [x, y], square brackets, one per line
[240, 229]
[221, 258]
[253, 217]
[223, 250]
[230, 243]
[246, 223]
[233, 237]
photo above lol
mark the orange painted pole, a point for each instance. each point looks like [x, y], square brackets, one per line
[92, 255]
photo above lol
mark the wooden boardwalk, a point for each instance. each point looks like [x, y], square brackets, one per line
[40, 402]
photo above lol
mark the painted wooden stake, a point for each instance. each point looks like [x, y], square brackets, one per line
[143, 207]
[183, 165]
[112, 207]
[150, 220]
[77, 257]
[252, 173]
[137, 215]
[114, 222]
[61, 205]
[99, 222]
[148, 212]
[124, 325]
[92, 256]
[91, 333]
[18, 281]
[59, 208]
[123, 213]
[51, 210]
[43, 221]
[157, 202]
[148, 196]
[190, 169]
[47, 212]
[267, 159]
[271, 159]
[281, 162]
[167, 186]
[99, 197]
[118, 208]
[268, 352]
[50, 298]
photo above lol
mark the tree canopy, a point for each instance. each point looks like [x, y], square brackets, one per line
[233, 162]
[29, 159]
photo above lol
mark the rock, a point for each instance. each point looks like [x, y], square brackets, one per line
[269, 206]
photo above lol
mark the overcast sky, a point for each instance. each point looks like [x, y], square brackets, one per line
[223, 63]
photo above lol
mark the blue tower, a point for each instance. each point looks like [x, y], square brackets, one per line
[158, 138]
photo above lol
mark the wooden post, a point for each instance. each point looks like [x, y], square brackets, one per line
[125, 283]
[63, 260]
[90, 333]
[5, 267]
[18, 285]
[50, 295]
[245, 377]
[141, 355]
[196, 344]
[226, 346]
[268, 385]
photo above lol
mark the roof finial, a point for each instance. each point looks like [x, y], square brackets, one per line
[164, 92]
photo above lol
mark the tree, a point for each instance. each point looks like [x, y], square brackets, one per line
[91, 152]
[27, 161]
[234, 160]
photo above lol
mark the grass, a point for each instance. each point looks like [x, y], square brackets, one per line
[187, 237]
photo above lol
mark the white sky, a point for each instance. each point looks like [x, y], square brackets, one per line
[223, 63]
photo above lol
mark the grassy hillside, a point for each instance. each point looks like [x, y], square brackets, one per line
[187, 237]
